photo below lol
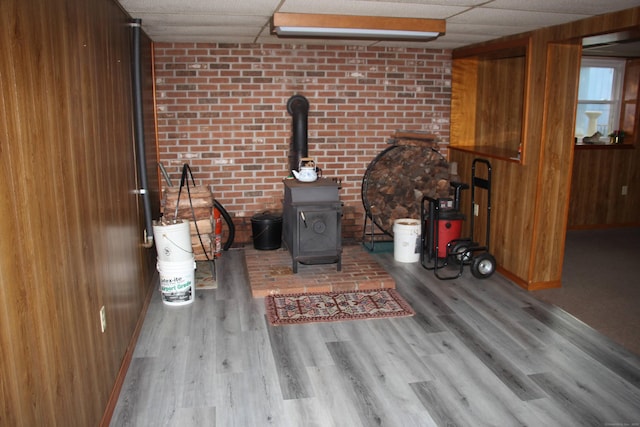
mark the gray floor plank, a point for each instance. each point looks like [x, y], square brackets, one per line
[397, 352]
[364, 396]
[473, 392]
[590, 341]
[292, 376]
[308, 412]
[476, 353]
[572, 402]
[200, 416]
[502, 367]
[335, 399]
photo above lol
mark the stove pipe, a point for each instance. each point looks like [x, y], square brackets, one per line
[298, 107]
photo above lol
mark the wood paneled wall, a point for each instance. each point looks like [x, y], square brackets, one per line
[71, 229]
[501, 119]
[596, 188]
[599, 173]
[531, 199]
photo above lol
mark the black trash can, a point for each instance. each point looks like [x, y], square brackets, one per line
[267, 231]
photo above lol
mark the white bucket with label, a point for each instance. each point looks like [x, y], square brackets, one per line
[177, 281]
[406, 240]
[173, 240]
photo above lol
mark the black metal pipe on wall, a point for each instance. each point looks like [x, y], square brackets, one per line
[298, 107]
[138, 123]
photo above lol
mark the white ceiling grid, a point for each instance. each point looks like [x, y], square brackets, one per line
[468, 21]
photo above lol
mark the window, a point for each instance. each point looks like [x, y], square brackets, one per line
[599, 96]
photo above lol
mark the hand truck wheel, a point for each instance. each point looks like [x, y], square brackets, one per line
[483, 266]
[460, 253]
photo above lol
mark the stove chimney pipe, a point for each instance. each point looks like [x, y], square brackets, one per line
[298, 107]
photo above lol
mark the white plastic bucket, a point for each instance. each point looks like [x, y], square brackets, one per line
[406, 240]
[173, 240]
[177, 281]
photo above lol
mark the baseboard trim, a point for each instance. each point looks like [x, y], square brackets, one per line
[529, 286]
[509, 275]
[551, 284]
[603, 226]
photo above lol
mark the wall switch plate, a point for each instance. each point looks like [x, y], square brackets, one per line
[476, 209]
[103, 319]
[624, 190]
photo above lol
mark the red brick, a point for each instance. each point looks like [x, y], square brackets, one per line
[270, 273]
[215, 101]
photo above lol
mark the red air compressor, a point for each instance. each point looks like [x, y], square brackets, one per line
[441, 220]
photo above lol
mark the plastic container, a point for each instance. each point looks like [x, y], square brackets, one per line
[406, 240]
[449, 228]
[173, 241]
[267, 231]
[177, 281]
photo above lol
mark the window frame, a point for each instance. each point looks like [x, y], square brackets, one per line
[618, 65]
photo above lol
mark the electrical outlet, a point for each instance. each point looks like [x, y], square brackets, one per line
[476, 209]
[103, 319]
[624, 190]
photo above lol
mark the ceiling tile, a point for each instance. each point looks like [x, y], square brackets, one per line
[372, 8]
[486, 16]
[468, 21]
[586, 7]
[214, 7]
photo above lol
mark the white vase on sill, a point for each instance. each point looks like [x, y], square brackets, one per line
[592, 128]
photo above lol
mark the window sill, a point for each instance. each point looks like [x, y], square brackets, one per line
[604, 146]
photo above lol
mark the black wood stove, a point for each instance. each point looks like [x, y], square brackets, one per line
[311, 222]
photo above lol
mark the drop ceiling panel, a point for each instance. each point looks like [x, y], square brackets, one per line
[486, 16]
[586, 7]
[239, 23]
[462, 31]
[468, 21]
[372, 8]
[214, 7]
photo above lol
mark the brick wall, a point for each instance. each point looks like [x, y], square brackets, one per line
[222, 109]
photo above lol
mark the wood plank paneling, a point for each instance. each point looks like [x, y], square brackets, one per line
[501, 83]
[600, 172]
[531, 199]
[464, 76]
[71, 229]
[596, 188]
[553, 181]
[629, 111]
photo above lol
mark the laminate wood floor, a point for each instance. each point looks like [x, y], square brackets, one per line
[477, 353]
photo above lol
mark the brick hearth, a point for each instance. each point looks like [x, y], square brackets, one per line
[270, 273]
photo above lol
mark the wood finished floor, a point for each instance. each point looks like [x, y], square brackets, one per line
[477, 353]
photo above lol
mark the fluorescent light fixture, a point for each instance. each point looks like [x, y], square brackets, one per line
[356, 27]
[366, 33]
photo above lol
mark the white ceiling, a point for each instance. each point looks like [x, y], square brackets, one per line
[468, 21]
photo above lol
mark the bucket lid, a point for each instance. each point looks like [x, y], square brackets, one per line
[406, 222]
[266, 217]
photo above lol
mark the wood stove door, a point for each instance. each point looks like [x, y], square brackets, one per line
[319, 230]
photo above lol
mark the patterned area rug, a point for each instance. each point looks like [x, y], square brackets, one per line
[335, 306]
